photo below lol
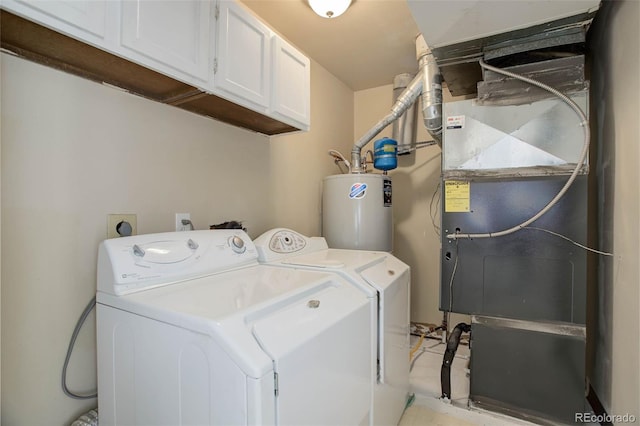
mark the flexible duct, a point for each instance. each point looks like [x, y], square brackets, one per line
[428, 75]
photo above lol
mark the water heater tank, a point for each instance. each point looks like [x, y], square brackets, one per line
[357, 212]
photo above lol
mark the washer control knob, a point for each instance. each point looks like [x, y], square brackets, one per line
[237, 244]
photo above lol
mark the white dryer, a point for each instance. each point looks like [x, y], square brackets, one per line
[388, 277]
[191, 330]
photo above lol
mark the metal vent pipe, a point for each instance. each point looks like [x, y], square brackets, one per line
[427, 82]
[431, 90]
[404, 128]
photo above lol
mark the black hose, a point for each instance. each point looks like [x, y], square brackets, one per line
[449, 354]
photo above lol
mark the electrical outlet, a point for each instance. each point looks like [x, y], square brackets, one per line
[179, 225]
[117, 225]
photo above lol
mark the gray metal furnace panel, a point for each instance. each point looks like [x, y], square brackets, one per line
[529, 274]
[528, 374]
[546, 133]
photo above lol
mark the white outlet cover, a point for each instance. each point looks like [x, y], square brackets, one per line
[179, 218]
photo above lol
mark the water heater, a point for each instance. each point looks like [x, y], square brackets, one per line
[357, 212]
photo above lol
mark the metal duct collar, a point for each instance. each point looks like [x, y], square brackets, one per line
[501, 33]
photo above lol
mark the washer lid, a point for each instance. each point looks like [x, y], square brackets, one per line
[283, 331]
[219, 296]
[323, 342]
[224, 306]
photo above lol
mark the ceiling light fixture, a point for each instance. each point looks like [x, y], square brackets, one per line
[329, 8]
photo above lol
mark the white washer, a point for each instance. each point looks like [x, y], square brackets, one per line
[389, 277]
[192, 330]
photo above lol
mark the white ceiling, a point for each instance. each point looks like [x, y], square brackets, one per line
[366, 47]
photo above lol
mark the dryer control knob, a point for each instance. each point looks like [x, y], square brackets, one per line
[237, 244]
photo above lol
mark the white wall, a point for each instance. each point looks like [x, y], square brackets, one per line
[616, 97]
[0, 246]
[300, 161]
[74, 151]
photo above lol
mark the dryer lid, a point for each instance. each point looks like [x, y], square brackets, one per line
[338, 258]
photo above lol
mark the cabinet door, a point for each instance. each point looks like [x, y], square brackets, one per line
[243, 55]
[84, 20]
[170, 36]
[291, 84]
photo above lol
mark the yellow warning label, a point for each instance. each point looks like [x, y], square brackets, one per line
[457, 196]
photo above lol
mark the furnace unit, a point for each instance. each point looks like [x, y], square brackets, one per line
[504, 159]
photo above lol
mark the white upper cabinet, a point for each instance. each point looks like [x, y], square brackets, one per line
[291, 84]
[170, 36]
[217, 47]
[256, 67]
[81, 19]
[243, 60]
